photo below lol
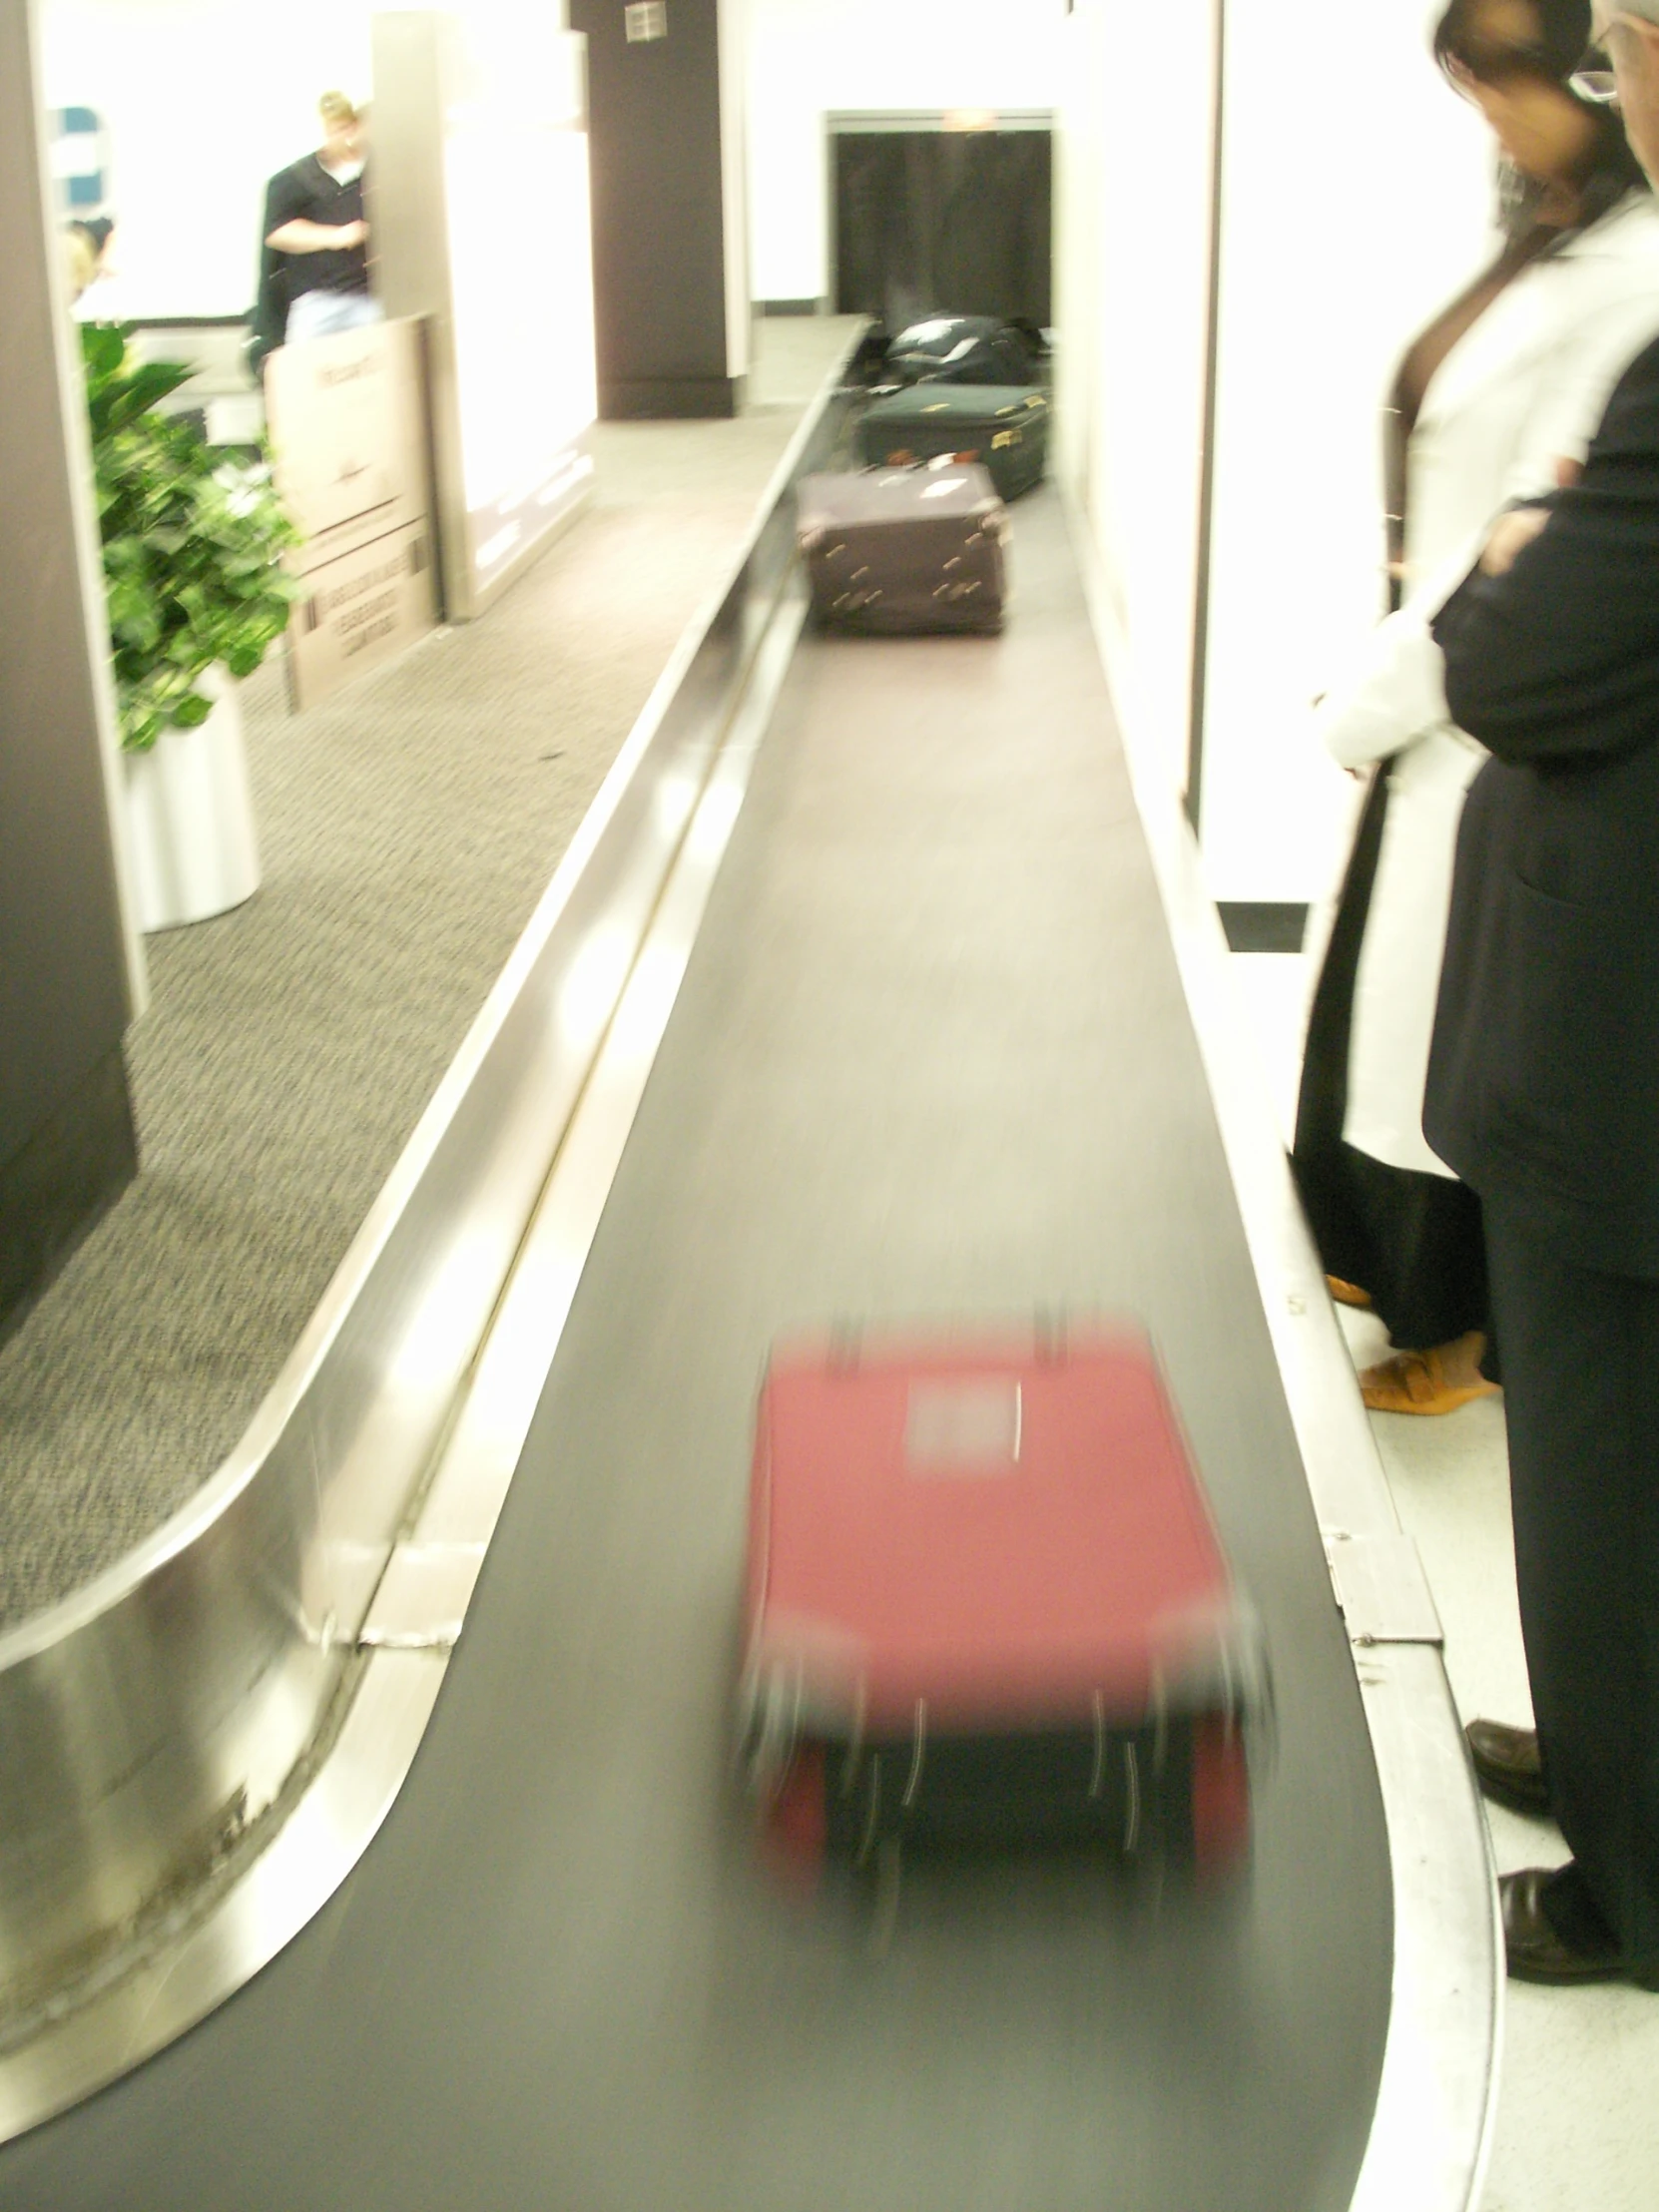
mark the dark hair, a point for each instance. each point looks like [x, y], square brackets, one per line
[1608, 169]
[1564, 32]
[94, 229]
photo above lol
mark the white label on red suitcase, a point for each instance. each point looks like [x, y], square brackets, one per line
[968, 1429]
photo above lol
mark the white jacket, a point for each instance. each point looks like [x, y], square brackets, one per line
[1523, 387]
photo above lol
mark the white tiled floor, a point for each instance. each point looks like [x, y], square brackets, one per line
[1578, 2099]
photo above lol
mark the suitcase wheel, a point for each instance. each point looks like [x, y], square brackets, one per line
[795, 1825]
[1221, 1798]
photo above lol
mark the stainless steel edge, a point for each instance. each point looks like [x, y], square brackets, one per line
[932, 119]
[181, 1981]
[1431, 2131]
[460, 1507]
[155, 1718]
[421, 1605]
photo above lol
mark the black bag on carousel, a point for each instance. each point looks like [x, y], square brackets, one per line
[962, 349]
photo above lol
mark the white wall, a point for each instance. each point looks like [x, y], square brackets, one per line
[732, 26]
[1132, 261]
[1357, 198]
[808, 58]
[204, 100]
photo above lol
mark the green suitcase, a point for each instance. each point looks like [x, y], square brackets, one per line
[1004, 427]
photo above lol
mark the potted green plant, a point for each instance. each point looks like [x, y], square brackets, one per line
[197, 595]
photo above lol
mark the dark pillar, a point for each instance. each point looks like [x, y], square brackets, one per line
[671, 286]
[66, 1126]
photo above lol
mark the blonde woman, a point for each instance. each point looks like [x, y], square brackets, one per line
[315, 262]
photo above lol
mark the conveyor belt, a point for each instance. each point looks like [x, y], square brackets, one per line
[930, 1058]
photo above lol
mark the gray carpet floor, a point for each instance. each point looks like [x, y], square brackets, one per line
[407, 829]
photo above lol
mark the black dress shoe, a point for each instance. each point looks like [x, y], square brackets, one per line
[1507, 1765]
[1534, 1951]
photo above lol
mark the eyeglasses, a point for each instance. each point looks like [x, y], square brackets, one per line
[1594, 78]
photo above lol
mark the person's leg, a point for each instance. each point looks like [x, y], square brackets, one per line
[1320, 1161]
[1581, 1378]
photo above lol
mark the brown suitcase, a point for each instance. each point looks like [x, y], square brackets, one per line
[896, 552]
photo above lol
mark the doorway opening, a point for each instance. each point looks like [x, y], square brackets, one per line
[935, 214]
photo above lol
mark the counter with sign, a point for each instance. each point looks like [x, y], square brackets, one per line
[348, 433]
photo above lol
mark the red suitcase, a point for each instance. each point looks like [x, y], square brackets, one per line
[986, 1604]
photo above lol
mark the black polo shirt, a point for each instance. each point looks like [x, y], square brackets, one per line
[306, 192]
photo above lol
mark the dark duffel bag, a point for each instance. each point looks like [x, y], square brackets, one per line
[1003, 427]
[961, 349]
[903, 551]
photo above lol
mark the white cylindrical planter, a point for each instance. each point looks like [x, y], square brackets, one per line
[190, 812]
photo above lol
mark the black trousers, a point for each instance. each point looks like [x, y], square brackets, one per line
[1581, 1385]
[1411, 1239]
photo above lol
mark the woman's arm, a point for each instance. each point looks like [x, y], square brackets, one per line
[1397, 691]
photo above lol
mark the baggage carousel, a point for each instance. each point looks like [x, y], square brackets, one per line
[927, 1021]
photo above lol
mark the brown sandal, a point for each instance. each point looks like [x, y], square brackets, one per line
[1415, 1383]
